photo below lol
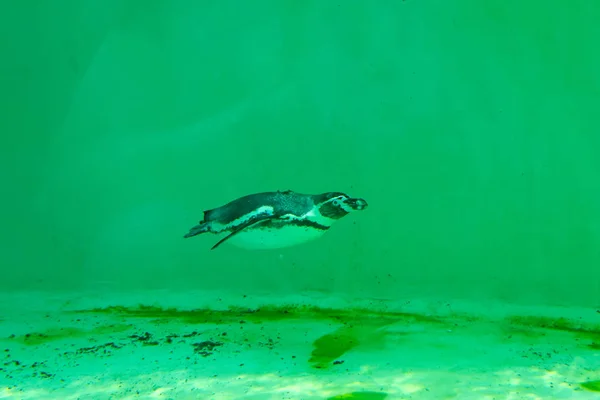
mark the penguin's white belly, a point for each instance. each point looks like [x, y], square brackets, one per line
[285, 236]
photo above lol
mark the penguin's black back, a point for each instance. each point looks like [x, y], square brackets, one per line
[287, 202]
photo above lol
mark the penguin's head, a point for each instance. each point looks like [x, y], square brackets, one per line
[336, 204]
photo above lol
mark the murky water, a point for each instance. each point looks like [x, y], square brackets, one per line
[470, 129]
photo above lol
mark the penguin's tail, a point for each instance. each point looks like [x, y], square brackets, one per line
[197, 230]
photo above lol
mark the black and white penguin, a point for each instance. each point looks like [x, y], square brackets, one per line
[272, 220]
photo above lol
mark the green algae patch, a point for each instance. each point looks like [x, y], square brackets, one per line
[559, 324]
[328, 348]
[593, 386]
[535, 326]
[262, 314]
[359, 396]
[160, 314]
[55, 334]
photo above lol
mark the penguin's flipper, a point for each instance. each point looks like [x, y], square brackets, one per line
[197, 230]
[256, 219]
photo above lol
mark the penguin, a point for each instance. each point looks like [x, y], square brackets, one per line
[273, 220]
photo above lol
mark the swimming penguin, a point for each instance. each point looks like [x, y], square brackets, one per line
[272, 220]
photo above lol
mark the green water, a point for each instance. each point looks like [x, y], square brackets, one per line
[470, 127]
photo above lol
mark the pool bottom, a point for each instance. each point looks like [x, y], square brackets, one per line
[232, 346]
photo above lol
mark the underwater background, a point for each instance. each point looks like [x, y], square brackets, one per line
[471, 128]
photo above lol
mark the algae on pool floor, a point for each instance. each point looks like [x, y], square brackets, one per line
[593, 386]
[328, 348]
[55, 334]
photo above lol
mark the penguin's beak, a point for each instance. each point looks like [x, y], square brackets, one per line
[357, 204]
